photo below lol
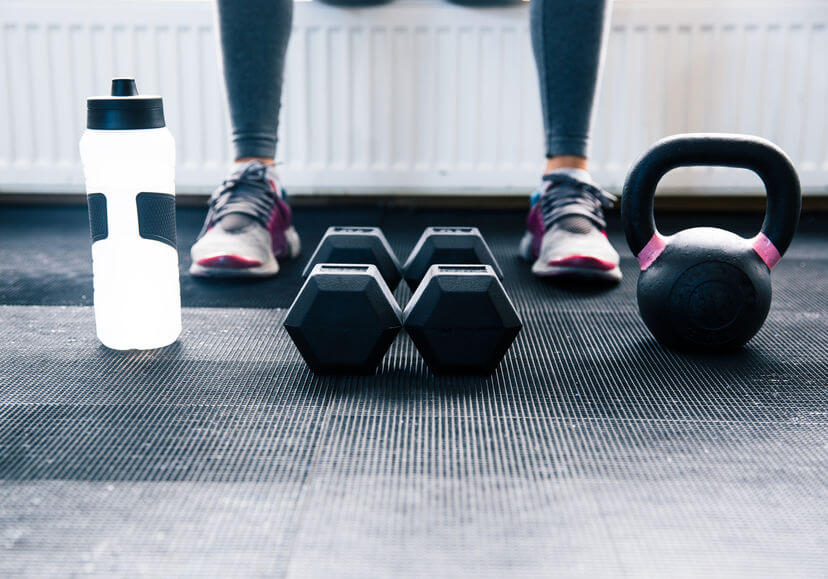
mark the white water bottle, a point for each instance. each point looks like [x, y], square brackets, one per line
[129, 163]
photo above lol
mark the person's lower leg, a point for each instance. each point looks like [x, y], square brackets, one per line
[248, 227]
[253, 37]
[566, 226]
[568, 42]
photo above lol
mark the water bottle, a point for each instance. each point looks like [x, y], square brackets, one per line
[128, 159]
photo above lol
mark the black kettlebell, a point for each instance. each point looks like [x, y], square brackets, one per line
[707, 289]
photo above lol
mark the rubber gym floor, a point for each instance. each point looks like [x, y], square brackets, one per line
[592, 451]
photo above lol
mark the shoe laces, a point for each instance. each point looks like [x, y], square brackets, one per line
[247, 192]
[562, 196]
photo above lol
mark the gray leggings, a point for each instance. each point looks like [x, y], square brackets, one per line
[567, 39]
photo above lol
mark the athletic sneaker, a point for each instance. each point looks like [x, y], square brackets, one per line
[248, 226]
[566, 231]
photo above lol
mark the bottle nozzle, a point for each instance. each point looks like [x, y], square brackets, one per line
[124, 87]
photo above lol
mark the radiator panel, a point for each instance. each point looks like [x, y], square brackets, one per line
[419, 96]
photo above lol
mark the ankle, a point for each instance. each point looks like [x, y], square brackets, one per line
[565, 162]
[578, 174]
[265, 160]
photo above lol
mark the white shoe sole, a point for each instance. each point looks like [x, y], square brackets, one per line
[268, 269]
[543, 270]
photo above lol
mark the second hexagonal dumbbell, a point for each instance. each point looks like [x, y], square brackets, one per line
[448, 245]
[461, 319]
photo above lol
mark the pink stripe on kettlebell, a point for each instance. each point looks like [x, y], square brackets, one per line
[651, 251]
[766, 250]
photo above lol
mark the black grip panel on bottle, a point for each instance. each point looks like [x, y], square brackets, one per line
[156, 217]
[98, 224]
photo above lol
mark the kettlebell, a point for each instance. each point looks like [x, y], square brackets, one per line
[706, 289]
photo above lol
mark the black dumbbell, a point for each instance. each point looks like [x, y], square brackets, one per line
[448, 245]
[357, 245]
[344, 319]
[461, 319]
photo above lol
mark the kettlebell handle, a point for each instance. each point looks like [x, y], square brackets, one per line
[743, 151]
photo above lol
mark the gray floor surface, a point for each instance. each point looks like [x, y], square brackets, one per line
[592, 451]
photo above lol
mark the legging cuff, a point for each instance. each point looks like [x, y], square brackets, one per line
[254, 145]
[575, 146]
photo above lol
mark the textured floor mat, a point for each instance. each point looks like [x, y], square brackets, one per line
[592, 451]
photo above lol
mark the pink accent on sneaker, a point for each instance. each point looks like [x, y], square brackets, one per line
[766, 250]
[651, 251]
[228, 262]
[534, 224]
[280, 219]
[583, 262]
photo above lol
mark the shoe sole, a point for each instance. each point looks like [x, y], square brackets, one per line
[568, 272]
[233, 266]
[587, 269]
[236, 266]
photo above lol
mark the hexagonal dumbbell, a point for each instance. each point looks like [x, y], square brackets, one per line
[449, 246]
[344, 319]
[461, 319]
[357, 245]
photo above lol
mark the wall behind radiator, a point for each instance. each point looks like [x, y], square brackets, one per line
[419, 95]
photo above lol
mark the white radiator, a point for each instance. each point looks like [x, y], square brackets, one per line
[419, 95]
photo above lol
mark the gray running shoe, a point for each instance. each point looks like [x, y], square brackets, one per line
[248, 226]
[566, 231]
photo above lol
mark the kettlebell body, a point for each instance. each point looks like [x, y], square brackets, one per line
[707, 289]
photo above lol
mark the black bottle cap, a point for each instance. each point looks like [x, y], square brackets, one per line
[124, 87]
[124, 109]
